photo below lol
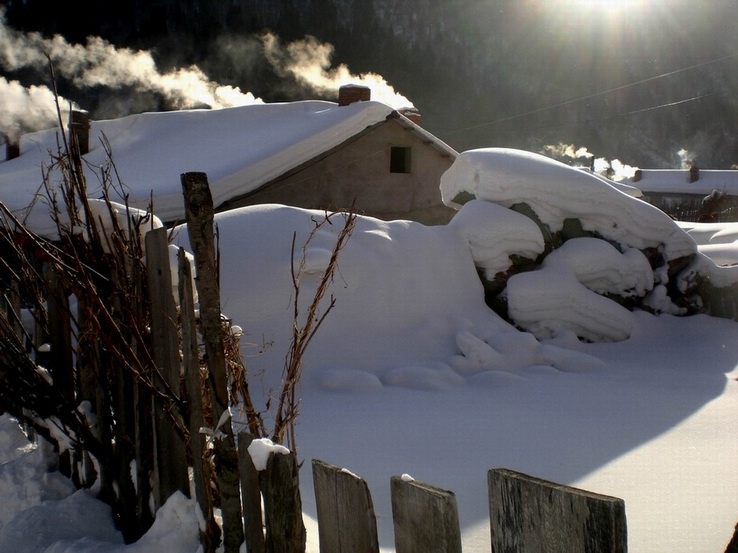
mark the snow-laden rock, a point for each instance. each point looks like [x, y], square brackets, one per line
[556, 192]
[600, 267]
[495, 233]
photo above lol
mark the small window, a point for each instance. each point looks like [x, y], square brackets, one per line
[399, 159]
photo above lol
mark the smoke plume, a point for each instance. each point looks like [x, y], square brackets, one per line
[129, 81]
[569, 153]
[97, 63]
[23, 108]
[686, 158]
[309, 61]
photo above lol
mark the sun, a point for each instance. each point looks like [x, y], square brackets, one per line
[612, 6]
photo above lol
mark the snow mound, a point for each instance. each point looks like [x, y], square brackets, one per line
[557, 192]
[546, 310]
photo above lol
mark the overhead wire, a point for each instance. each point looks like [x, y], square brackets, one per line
[608, 91]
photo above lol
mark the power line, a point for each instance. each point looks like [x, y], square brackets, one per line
[602, 93]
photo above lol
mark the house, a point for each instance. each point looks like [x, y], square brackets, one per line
[310, 154]
[691, 194]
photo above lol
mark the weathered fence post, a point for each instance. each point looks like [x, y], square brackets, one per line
[530, 514]
[250, 495]
[426, 518]
[346, 519]
[201, 471]
[199, 216]
[170, 456]
[280, 486]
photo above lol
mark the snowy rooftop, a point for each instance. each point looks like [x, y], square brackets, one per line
[678, 181]
[239, 148]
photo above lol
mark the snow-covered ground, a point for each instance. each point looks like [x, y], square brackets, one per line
[413, 373]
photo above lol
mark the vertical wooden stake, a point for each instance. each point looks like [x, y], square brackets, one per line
[426, 518]
[530, 514]
[279, 482]
[170, 453]
[250, 496]
[201, 470]
[346, 519]
[199, 215]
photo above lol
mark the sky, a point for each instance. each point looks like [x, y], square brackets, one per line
[412, 373]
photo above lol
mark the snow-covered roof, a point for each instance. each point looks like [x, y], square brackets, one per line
[677, 181]
[240, 149]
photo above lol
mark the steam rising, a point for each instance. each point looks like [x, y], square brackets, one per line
[615, 169]
[97, 63]
[309, 61]
[686, 158]
[27, 108]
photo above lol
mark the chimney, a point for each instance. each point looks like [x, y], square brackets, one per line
[351, 93]
[637, 176]
[12, 148]
[694, 173]
[79, 131]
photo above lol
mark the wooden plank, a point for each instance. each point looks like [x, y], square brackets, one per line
[250, 496]
[346, 519]
[280, 485]
[530, 514]
[170, 457]
[425, 517]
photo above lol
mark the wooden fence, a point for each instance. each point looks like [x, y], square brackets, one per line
[150, 416]
[527, 515]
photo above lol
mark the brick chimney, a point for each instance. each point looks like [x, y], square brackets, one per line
[351, 93]
[79, 131]
[12, 148]
[694, 173]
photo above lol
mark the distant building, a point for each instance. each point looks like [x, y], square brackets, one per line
[310, 154]
[691, 194]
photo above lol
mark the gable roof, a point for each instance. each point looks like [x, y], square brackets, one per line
[240, 149]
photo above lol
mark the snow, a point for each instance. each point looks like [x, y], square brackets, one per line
[556, 191]
[412, 373]
[261, 449]
[255, 143]
[677, 181]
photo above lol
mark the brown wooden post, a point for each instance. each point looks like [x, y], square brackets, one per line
[346, 519]
[426, 518]
[250, 496]
[201, 471]
[280, 485]
[169, 452]
[199, 215]
[142, 403]
[530, 514]
[59, 359]
[60, 334]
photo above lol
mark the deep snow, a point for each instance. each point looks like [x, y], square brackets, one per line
[413, 374]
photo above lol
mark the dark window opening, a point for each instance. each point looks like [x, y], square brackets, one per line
[399, 159]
